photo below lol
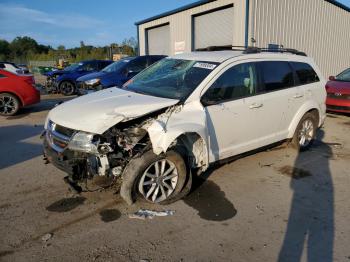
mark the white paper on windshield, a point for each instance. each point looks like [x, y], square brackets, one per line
[204, 65]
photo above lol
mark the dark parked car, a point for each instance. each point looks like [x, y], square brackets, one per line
[115, 74]
[338, 92]
[66, 81]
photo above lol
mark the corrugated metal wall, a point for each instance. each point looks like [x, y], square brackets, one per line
[180, 24]
[317, 27]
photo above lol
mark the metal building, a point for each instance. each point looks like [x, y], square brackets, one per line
[321, 28]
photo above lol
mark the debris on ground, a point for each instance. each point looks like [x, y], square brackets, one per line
[266, 165]
[47, 237]
[144, 213]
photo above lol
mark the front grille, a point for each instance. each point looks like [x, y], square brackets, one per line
[338, 96]
[345, 108]
[64, 130]
[58, 136]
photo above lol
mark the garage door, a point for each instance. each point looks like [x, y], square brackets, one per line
[158, 40]
[213, 29]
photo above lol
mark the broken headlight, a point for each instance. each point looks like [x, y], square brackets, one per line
[83, 142]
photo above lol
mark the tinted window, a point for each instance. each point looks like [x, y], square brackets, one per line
[305, 73]
[137, 65]
[154, 59]
[344, 76]
[2, 66]
[90, 66]
[103, 64]
[237, 82]
[276, 75]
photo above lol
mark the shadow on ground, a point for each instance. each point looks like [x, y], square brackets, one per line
[14, 147]
[209, 200]
[311, 217]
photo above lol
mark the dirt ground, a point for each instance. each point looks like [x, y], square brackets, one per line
[274, 205]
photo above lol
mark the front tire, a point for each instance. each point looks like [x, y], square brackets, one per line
[9, 104]
[67, 88]
[155, 178]
[305, 133]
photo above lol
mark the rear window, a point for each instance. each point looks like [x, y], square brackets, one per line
[276, 75]
[305, 73]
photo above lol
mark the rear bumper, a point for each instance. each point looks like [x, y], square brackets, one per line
[32, 99]
[338, 105]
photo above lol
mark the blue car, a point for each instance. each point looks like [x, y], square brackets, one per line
[115, 74]
[66, 80]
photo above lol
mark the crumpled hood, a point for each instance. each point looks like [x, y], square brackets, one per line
[97, 112]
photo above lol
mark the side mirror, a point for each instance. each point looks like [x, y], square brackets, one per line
[331, 78]
[206, 101]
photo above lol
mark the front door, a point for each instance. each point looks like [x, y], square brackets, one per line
[232, 105]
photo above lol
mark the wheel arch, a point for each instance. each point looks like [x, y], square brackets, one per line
[15, 95]
[307, 108]
[191, 137]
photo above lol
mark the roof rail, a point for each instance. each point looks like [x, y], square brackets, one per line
[253, 49]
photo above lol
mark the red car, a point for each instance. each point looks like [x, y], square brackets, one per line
[338, 92]
[16, 91]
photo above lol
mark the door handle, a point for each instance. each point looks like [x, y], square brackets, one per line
[298, 95]
[255, 105]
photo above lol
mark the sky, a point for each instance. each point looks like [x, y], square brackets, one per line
[68, 22]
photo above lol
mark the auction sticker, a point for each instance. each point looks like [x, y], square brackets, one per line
[204, 65]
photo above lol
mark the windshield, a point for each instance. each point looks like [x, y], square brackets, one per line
[171, 78]
[72, 67]
[344, 76]
[116, 66]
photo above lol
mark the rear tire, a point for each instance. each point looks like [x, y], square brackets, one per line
[158, 179]
[9, 104]
[67, 88]
[305, 132]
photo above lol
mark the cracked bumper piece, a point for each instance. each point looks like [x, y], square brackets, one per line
[65, 161]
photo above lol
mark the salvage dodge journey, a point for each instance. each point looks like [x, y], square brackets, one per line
[182, 114]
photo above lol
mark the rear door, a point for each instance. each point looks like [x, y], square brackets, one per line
[280, 99]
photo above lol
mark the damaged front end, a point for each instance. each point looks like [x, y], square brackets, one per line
[85, 155]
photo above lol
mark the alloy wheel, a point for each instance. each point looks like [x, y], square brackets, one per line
[8, 105]
[159, 181]
[306, 133]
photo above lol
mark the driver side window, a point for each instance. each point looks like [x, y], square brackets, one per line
[237, 82]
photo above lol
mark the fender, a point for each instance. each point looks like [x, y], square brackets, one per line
[306, 107]
[191, 120]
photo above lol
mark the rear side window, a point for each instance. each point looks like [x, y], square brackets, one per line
[305, 73]
[2, 66]
[276, 75]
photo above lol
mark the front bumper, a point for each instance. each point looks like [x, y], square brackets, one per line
[68, 161]
[84, 89]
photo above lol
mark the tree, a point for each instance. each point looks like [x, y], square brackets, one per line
[4, 50]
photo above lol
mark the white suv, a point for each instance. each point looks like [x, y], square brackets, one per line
[184, 113]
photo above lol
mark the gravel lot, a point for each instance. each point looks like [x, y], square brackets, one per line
[267, 206]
